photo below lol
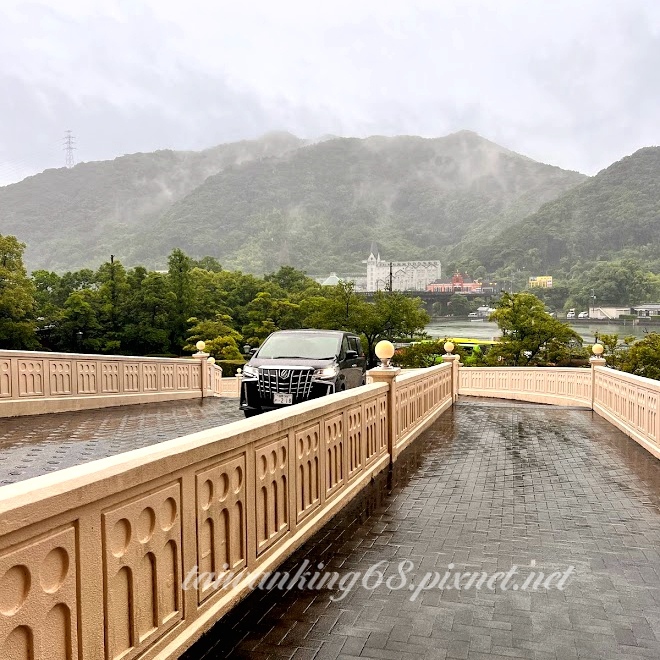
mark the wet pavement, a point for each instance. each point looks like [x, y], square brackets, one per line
[38, 444]
[488, 487]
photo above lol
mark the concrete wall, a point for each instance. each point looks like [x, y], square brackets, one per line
[33, 383]
[93, 558]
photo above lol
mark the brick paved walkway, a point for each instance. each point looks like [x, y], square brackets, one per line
[487, 487]
[34, 445]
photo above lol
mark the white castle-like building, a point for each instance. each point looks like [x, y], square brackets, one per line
[406, 275]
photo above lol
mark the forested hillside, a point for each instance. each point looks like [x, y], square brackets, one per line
[615, 214]
[70, 218]
[320, 207]
[260, 204]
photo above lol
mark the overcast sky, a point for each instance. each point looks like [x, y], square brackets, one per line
[574, 83]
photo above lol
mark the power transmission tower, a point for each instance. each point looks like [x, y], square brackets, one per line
[69, 147]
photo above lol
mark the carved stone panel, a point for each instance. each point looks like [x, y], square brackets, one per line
[149, 377]
[371, 429]
[30, 377]
[221, 524]
[87, 378]
[167, 377]
[272, 496]
[61, 381]
[110, 377]
[334, 458]
[142, 581]
[308, 470]
[39, 599]
[355, 439]
[131, 376]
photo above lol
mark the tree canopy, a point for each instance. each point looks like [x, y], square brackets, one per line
[530, 336]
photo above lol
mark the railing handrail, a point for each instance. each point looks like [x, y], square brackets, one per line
[90, 356]
[640, 381]
[419, 374]
[232, 436]
[526, 368]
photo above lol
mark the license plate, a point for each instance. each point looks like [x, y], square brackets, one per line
[283, 398]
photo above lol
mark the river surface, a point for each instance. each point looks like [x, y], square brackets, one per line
[441, 328]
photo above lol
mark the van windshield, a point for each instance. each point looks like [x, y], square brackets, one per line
[299, 345]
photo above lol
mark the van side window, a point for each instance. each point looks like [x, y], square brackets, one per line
[344, 347]
[353, 345]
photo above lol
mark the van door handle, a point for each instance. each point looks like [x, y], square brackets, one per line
[354, 365]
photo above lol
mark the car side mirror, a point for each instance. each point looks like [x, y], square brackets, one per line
[351, 355]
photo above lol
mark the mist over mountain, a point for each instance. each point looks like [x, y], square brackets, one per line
[256, 205]
[615, 214]
[73, 218]
[320, 207]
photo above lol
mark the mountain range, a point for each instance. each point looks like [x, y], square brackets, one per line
[614, 214]
[256, 205]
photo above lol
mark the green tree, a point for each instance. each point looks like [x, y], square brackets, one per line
[79, 328]
[148, 310]
[112, 297]
[17, 302]
[220, 338]
[530, 336]
[643, 357]
[419, 355]
[290, 279]
[626, 282]
[180, 281]
[267, 314]
[459, 305]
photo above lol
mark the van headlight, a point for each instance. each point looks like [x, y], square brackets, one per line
[326, 372]
[250, 372]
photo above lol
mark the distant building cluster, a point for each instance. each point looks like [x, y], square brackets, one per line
[457, 283]
[404, 275]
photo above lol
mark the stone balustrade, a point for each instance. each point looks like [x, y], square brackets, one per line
[93, 559]
[40, 382]
[555, 385]
[631, 403]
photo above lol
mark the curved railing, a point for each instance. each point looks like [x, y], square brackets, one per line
[631, 403]
[553, 385]
[33, 382]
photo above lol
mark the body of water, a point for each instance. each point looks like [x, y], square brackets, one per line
[441, 328]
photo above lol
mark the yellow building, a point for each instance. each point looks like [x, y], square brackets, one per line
[541, 282]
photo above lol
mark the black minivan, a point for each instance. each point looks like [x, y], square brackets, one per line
[297, 365]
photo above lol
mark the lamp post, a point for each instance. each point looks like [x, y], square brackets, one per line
[453, 359]
[202, 357]
[384, 351]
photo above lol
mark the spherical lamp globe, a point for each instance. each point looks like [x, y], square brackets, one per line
[597, 349]
[449, 346]
[384, 351]
[200, 345]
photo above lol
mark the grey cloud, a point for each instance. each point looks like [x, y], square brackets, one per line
[586, 94]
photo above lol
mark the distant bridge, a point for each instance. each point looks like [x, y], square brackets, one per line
[429, 298]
